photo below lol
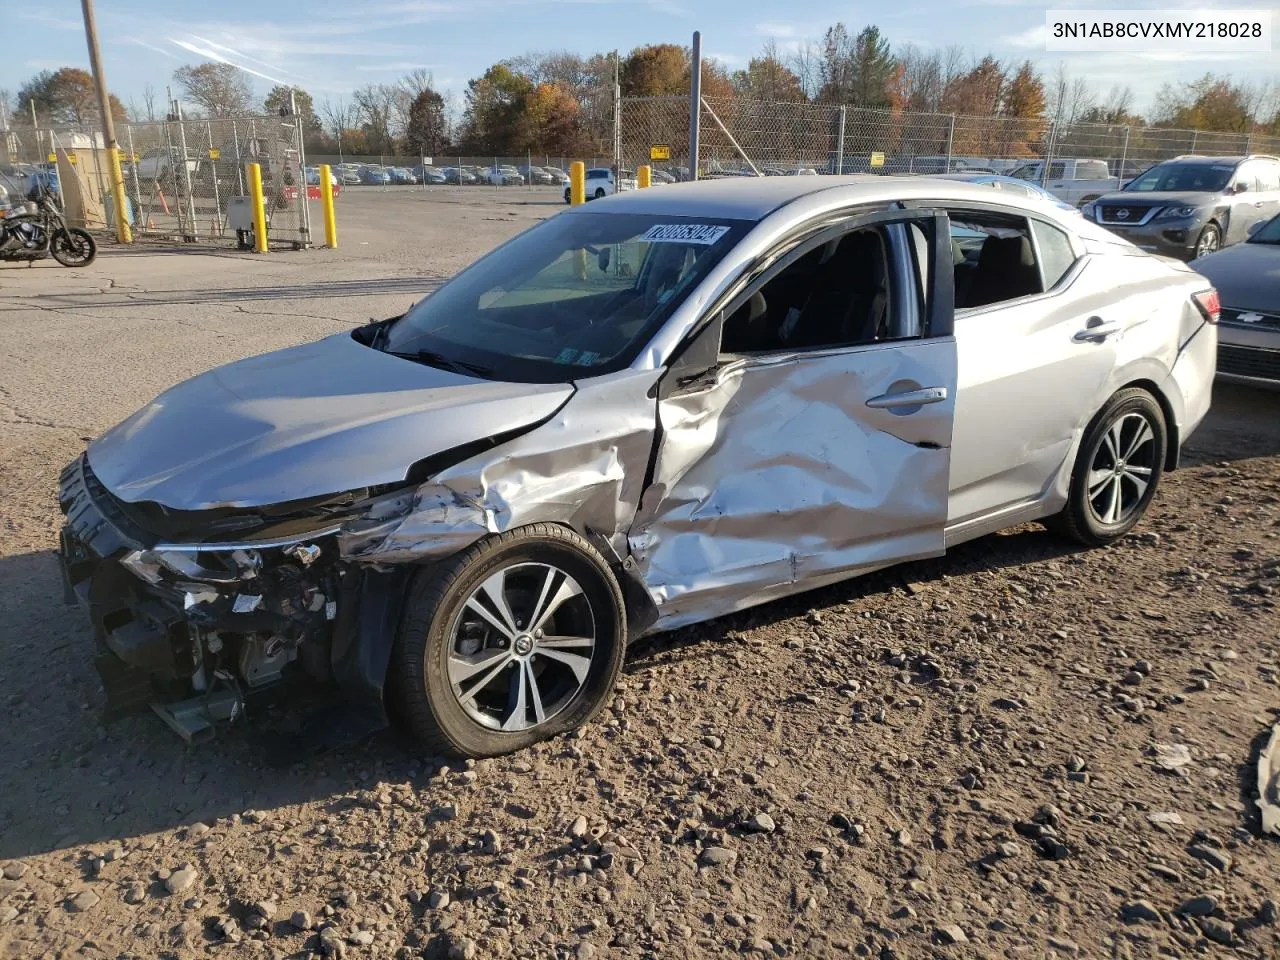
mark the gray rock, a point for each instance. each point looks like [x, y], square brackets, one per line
[1218, 859]
[265, 909]
[717, 857]
[181, 879]
[1165, 817]
[491, 843]
[8, 915]
[1006, 703]
[1171, 757]
[438, 898]
[301, 920]
[1140, 911]
[462, 949]
[586, 950]
[1269, 912]
[82, 901]
[950, 933]
[760, 823]
[1062, 945]
[1008, 851]
[361, 938]
[1217, 930]
[14, 870]
[448, 812]
[578, 828]
[1200, 906]
[135, 893]
[331, 944]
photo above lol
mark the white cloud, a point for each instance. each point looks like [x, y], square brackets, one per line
[728, 59]
[211, 54]
[399, 66]
[1037, 37]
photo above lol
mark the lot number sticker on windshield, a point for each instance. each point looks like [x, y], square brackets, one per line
[703, 233]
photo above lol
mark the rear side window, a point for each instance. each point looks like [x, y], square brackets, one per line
[1266, 173]
[1092, 170]
[1056, 255]
[1057, 170]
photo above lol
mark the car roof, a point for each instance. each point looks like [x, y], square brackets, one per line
[1203, 159]
[754, 198]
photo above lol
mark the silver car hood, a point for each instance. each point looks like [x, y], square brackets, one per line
[320, 418]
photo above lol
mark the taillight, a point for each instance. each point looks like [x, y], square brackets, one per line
[1209, 304]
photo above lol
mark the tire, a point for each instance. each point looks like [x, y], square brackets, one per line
[73, 247]
[568, 197]
[1106, 498]
[1209, 241]
[599, 192]
[454, 674]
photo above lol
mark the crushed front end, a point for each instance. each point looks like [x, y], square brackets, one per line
[199, 624]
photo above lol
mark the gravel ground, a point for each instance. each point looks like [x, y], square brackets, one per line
[1019, 750]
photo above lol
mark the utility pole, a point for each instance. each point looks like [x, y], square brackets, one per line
[695, 104]
[123, 233]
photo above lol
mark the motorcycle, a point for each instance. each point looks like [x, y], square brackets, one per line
[34, 236]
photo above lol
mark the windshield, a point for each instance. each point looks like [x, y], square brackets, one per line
[1269, 232]
[578, 295]
[1184, 177]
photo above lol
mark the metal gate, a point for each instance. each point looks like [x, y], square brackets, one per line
[180, 175]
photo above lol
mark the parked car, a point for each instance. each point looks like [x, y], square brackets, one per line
[599, 182]
[1011, 185]
[377, 176]
[536, 175]
[557, 175]
[644, 413]
[660, 176]
[430, 174]
[349, 174]
[313, 177]
[1075, 181]
[403, 175]
[1189, 207]
[1247, 277]
[459, 175]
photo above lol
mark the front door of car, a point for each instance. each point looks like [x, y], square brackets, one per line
[805, 430]
[1260, 199]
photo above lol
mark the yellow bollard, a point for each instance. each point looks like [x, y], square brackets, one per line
[644, 176]
[259, 208]
[326, 199]
[118, 197]
[577, 183]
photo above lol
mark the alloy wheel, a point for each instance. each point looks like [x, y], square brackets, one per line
[521, 647]
[1208, 242]
[1122, 469]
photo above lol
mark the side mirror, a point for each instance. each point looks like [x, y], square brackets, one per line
[1241, 187]
[603, 257]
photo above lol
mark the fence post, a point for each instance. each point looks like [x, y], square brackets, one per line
[695, 105]
[1195, 135]
[1050, 147]
[1248, 144]
[213, 167]
[304, 197]
[1124, 156]
[840, 125]
[137, 189]
[951, 139]
[235, 135]
[186, 174]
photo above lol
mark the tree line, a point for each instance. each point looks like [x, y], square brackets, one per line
[561, 103]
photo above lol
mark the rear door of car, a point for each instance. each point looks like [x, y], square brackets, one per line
[1262, 200]
[782, 465]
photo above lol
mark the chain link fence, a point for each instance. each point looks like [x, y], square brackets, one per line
[744, 137]
[181, 176]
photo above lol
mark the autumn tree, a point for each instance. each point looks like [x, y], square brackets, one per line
[67, 96]
[768, 78]
[659, 70]
[976, 93]
[551, 116]
[219, 89]
[494, 120]
[834, 67]
[377, 112]
[278, 100]
[1215, 103]
[873, 68]
[426, 133]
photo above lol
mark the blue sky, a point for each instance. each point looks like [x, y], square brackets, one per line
[332, 46]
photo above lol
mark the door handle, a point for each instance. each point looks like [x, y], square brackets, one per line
[909, 398]
[1096, 330]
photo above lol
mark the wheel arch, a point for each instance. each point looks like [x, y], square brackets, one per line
[1174, 442]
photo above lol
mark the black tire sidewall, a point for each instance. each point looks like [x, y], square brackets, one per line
[73, 235]
[1208, 228]
[1123, 403]
[462, 734]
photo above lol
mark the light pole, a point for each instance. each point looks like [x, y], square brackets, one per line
[123, 233]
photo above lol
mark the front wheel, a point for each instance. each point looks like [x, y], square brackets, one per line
[73, 247]
[599, 192]
[513, 641]
[1117, 470]
[1209, 241]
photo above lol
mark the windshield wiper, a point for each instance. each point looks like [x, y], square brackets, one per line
[434, 359]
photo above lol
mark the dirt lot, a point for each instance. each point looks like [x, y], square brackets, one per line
[1020, 750]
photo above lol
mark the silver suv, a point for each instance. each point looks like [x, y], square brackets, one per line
[1191, 206]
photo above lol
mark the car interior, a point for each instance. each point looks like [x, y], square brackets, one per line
[994, 259]
[837, 294]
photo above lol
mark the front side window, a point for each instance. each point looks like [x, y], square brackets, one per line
[578, 295]
[1184, 177]
[1057, 170]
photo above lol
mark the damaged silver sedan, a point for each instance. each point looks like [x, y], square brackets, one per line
[639, 414]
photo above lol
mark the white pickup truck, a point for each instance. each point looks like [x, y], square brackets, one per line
[1074, 181]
